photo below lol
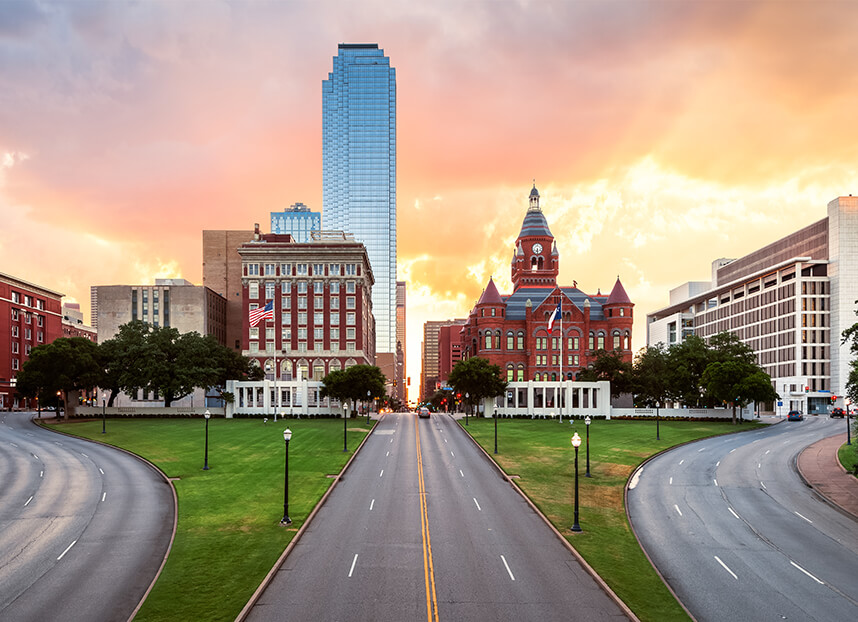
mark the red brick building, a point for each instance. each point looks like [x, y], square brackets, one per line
[512, 331]
[322, 305]
[30, 315]
[449, 350]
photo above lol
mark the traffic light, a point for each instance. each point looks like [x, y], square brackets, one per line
[833, 398]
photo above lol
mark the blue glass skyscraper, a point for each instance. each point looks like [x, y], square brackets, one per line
[359, 168]
[297, 220]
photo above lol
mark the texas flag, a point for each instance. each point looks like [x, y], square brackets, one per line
[553, 317]
[264, 313]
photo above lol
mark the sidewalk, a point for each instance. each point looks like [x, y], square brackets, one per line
[820, 469]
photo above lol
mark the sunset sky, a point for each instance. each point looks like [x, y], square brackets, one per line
[661, 135]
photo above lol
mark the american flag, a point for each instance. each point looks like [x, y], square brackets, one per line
[262, 313]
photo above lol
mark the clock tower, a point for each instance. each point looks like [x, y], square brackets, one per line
[535, 261]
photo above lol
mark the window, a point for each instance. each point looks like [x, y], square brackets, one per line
[319, 303]
[335, 287]
[269, 334]
[14, 315]
[285, 302]
[286, 337]
[318, 334]
[509, 374]
[520, 374]
[269, 290]
[269, 346]
[251, 269]
[351, 269]
[285, 269]
[28, 301]
[350, 333]
[28, 334]
[488, 341]
[40, 304]
[601, 341]
[302, 318]
[318, 287]
[254, 346]
[270, 269]
[318, 269]
[40, 336]
[335, 334]
[302, 302]
[16, 298]
[350, 319]
[302, 287]
[510, 341]
[573, 343]
[592, 341]
[520, 344]
[616, 342]
[350, 287]
[14, 347]
[319, 318]
[555, 343]
[254, 332]
[301, 269]
[302, 334]
[334, 269]
[335, 303]
[335, 318]
[28, 317]
[252, 291]
[302, 347]
[350, 302]
[14, 331]
[286, 287]
[14, 364]
[350, 346]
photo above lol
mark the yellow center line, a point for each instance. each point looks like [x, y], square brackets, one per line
[428, 566]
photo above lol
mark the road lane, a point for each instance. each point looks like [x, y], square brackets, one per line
[83, 527]
[759, 544]
[447, 538]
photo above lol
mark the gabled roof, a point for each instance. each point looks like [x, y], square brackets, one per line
[490, 295]
[618, 295]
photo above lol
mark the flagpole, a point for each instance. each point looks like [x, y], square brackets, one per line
[560, 397]
[276, 370]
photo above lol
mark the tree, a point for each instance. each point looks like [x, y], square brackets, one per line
[851, 335]
[65, 364]
[609, 366]
[738, 382]
[477, 378]
[650, 376]
[354, 383]
[686, 363]
[122, 359]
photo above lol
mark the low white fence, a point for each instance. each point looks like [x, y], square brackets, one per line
[146, 411]
[683, 413]
[293, 398]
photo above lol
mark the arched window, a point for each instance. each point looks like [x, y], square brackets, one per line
[616, 340]
[520, 373]
[520, 340]
[536, 377]
[626, 341]
[510, 373]
[553, 377]
[286, 370]
[318, 369]
[334, 365]
[600, 342]
[592, 345]
[488, 340]
[510, 340]
[303, 369]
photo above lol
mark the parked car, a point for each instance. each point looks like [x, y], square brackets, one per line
[795, 415]
[424, 413]
[837, 413]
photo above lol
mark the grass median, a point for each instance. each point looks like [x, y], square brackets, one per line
[540, 453]
[228, 535]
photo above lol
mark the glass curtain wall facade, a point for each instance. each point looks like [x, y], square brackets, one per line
[359, 168]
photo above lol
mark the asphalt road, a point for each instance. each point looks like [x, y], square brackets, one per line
[422, 527]
[738, 536]
[83, 527]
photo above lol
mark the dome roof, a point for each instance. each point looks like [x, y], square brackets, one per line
[534, 225]
[534, 192]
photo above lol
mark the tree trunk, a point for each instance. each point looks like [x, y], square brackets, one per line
[734, 413]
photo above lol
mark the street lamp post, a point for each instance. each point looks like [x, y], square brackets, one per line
[368, 393]
[496, 430]
[206, 463]
[103, 413]
[467, 407]
[345, 412]
[587, 424]
[287, 435]
[657, 434]
[848, 430]
[576, 443]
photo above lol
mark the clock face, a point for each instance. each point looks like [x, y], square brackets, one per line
[537, 248]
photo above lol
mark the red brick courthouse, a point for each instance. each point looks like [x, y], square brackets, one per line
[512, 331]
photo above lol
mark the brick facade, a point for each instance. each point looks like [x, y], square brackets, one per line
[512, 331]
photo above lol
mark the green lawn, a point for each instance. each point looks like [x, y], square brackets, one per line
[228, 534]
[540, 453]
[848, 455]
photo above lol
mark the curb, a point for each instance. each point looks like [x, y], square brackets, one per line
[587, 568]
[242, 615]
[824, 498]
[168, 481]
